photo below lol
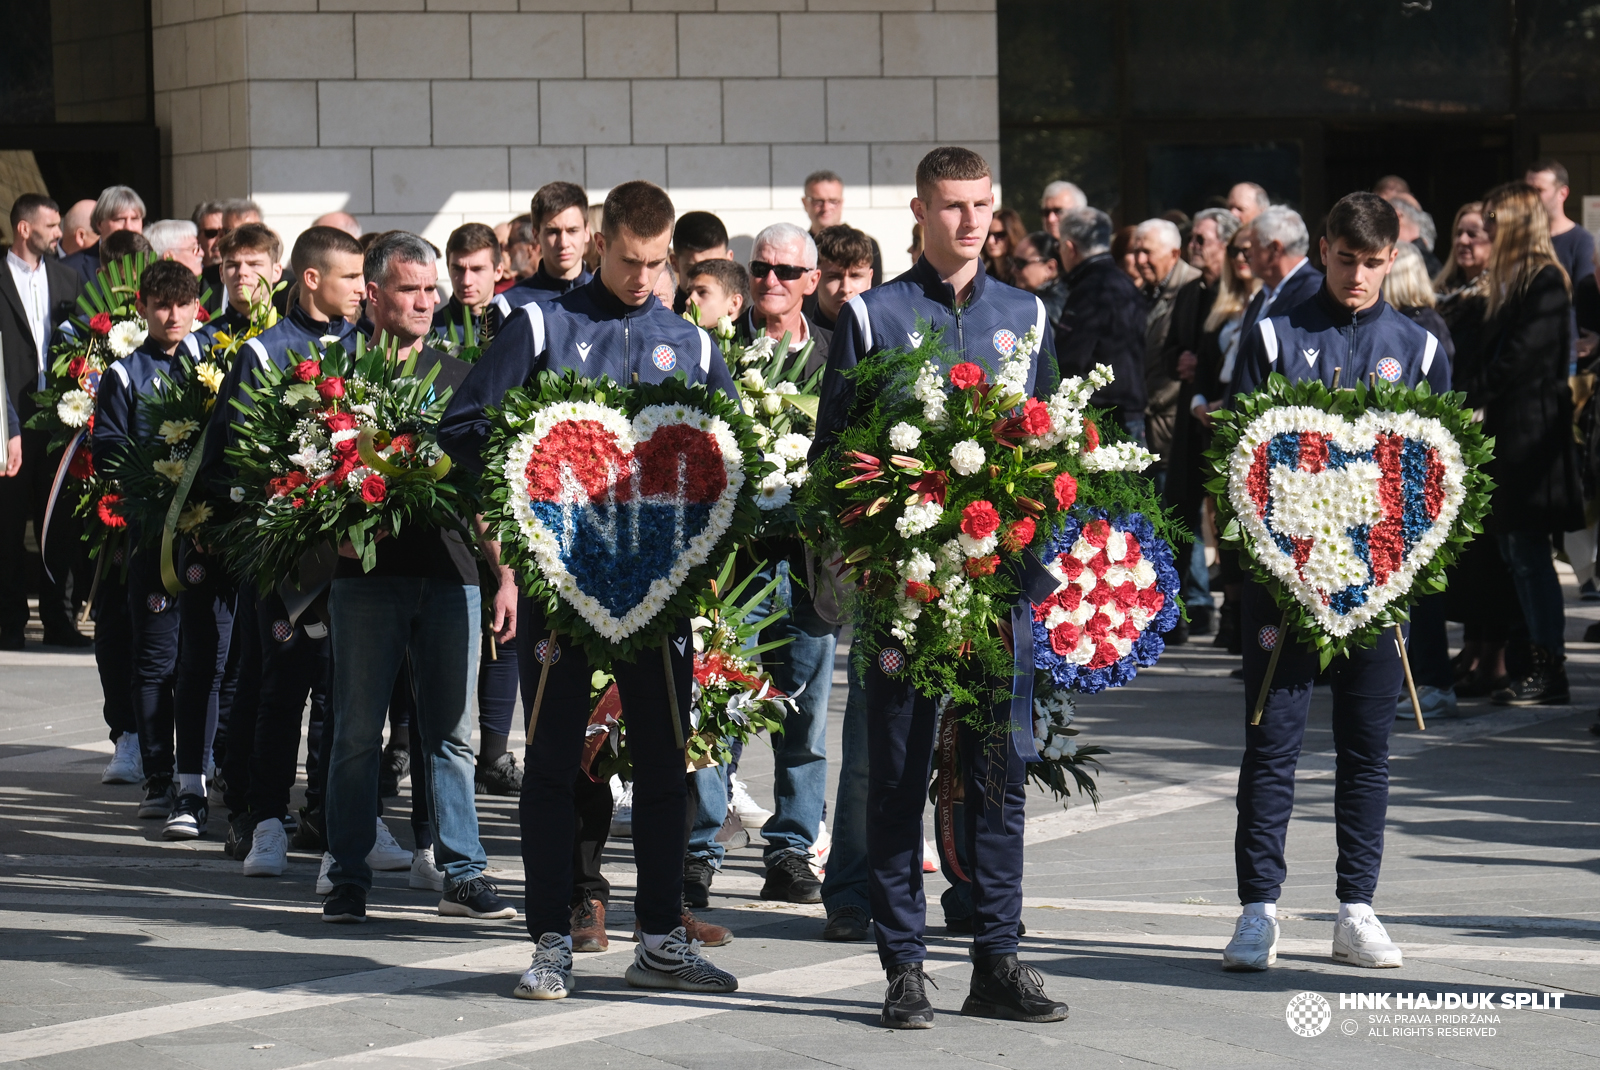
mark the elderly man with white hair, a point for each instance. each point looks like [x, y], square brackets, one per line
[1246, 200]
[1059, 198]
[1158, 254]
[177, 239]
[783, 273]
[1279, 242]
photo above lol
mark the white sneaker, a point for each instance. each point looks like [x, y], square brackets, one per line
[269, 850]
[386, 854]
[678, 965]
[752, 815]
[425, 874]
[1255, 942]
[127, 764]
[550, 975]
[622, 811]
[820, 848]
[1361, 940]
[324, 885]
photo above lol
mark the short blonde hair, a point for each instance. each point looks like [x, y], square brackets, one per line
[1408, 285]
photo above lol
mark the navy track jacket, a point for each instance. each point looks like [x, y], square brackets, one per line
[118, 416]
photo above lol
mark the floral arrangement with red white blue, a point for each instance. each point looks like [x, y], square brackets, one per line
[1350, 504]
[943, 495]
[614, 503]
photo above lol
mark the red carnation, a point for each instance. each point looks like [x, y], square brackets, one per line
[1096, 532]
[1091, 436]
[106, 510]
[980, 520]
[1066, 491]
[374, 489]
[76, 367]
[82, 464]
[1035, 417]
[1019, 533]
[307, 370]
[101, 323]
[966, 375]
[339, 421]
[922, 592]
[982, 566]
[331, 388]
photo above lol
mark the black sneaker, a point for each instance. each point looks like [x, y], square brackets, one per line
[1004, 988]
[476, 898]
[345, 905]
[790, 880]
[241, 833]
[847, 925]
[1545, 684]
[905, 1005]
[160, 796]
[697, 874]
[311, 835]
[188, 819]
[501, 778]
[395, 766]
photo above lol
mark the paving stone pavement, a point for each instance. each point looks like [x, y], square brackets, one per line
[122, 950]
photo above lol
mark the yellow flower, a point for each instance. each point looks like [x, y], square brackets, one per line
[172, 470]
[210, 375]
[174, 431]
[193, 517]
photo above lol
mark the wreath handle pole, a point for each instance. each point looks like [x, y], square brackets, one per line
[672, 694]
[94, 587]
[544, 676]
[1411, 684]
[1272, 667]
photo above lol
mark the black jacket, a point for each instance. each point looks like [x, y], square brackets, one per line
[1521, 384]
[1102, 322]
[1186, 333]
[820, 332]
[21, 348]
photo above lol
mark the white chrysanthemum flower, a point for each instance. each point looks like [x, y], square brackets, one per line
[977, 547]
[792, 446]
[966, 457]
[774, 492]
[796, 477]
[170, 469]
[127, 336]
[918, 568]
[173, 432]
[904, 437]
[760, 349]
[343, 436]
[75, 408]
[918, 518]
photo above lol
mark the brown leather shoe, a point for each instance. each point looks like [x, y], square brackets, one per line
[589, 926]
[708, 934]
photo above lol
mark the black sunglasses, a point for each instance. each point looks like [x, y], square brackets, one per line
[211, 233]
[1018, 263]
[786, 272]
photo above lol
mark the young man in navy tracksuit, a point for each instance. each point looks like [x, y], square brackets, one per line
[1349, 328]
[560, 213]
[282, 662]
[983, 321]
[169, 298]
[612, 326]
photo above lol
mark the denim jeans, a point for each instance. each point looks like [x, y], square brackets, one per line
[800, 752]
[710, 809]
[846, 882]
[1533, 571]
[377, 620]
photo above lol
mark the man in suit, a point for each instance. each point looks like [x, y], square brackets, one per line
[37, 294]
[118, 208]
[1279, 242]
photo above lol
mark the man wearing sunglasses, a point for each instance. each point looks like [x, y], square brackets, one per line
[783, 273]
[1058, 199]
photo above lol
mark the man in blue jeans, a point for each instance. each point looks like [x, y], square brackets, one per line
[420, 598]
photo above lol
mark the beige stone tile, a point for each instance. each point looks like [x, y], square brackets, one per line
[375, 112]
[170, 12]
[719, 177]
[230, 174]
[167, 47]
[630, 46]
[761, 5]
[533, 167]
[282, 114]
[674, 5]
[527, 46]
[214, 115]
[472, 5]
[792, 163]
[497, 112]
[728, 46]
[939, 44]
[440, 180]
[233, 62]
[833, 44]
[677, 111]
[880, 109]
[894, 172]
[967, 109]
[584, 113]
[313, 181]
[200, 52]
[774, 110]
[963, 5]
[280, 5]
[389, 45]
[239, 115]
[875, 5]
[605, 167]
[301, 46]
[574, 5]
[203, 9]
[372, 5]
[186, 132]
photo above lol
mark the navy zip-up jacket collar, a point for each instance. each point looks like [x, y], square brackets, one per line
[588, 330]
[540, 286]
[985, 330]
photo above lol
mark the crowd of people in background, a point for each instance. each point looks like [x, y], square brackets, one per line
[1509, 292]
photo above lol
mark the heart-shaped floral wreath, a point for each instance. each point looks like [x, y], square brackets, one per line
[611, 501]
[1350, 503]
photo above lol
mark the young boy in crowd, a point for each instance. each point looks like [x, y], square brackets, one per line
[697, 236]
[250, 270]
[169, 298]
[844, 256]
[717, 289]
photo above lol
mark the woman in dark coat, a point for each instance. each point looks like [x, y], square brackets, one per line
[1522, 386]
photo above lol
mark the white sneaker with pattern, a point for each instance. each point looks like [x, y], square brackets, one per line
[1255, 941]
[550, 975]
[678, 965]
